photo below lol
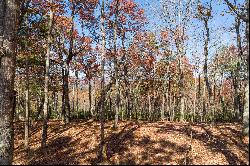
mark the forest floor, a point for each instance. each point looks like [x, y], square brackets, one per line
[134, 143]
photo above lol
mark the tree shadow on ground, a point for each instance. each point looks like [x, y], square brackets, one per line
[116, 144]
[220, 144]
[121, 145]
[214, 142]
[57, 152]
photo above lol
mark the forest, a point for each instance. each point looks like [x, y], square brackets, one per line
[114, 82]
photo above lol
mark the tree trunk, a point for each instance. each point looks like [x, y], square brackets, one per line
[40, 108]
[181, 78]
[66, 93]
[90, 98]
[8, 15]
[46, 84]
[56, 104]
[163, 107]
[102, 152]
[194, 105]
[238, 107]
[246, 113]
[73, 97]
[204, 108]
[205, 68]
[77, 92]
[149, 107]
[116, 68]
[68, 60]
[63, 113]
[27, 106]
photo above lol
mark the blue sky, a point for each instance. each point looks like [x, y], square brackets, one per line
[219, 25]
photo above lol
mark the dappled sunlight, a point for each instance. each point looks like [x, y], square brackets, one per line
[135, 143]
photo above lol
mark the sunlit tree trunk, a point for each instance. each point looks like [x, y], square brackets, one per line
[77, 92]
[73, 97]
[163, 107]
[116, 68]
[149, 107]
[27, 102]
[27, 107]
[246, 106]
[237, 104]
[90, 98]
[205, 67]
[46, 83]
[194, 102]
[102, 152]
[8, 15]
[246, 113]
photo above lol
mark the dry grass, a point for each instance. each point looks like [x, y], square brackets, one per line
[134, 143]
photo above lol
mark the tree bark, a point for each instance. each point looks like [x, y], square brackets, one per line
[237, 103]
[46, 83]
[102, 153]
[27, 106]
[163, 107]
[205, 68]
[90, 98]
[66, 93]
[27, 102]
[116, 68]
[246, 113]
[8, 15]
[77, 92]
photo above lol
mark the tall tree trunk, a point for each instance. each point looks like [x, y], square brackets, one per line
[63, 113]
[77, 92]
[27, 103]
[180, 52]
[73, 97]
[46, 83]
[204, 103]
[246, 105]
[149, 107]
[205, 68]
[94, 92]
[27, 106]
[66, 93]
[237, 104]
[173, 108]
[194, 105]
[8, 15]
[116, 68]
[246, 113]
[68, 60]
[163, 107]
[56, 104]
[90, 98]
[40, 108]
[102, 152]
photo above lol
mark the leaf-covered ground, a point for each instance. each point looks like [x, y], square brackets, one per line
[134, 143]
